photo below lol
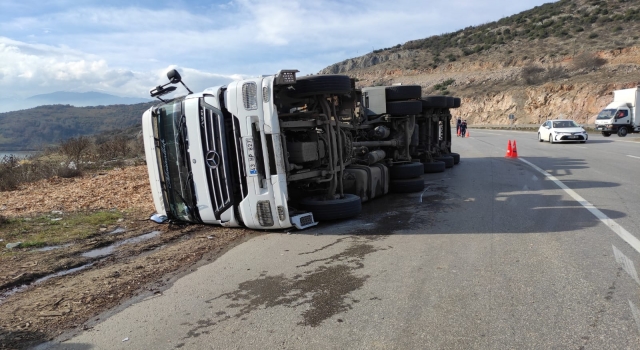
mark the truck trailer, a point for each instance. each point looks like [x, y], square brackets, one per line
[281, 151]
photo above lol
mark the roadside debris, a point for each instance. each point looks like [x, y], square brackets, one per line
[158, 218]
[13, 245]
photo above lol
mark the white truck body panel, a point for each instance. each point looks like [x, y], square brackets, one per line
[152, 161]
[271, 188]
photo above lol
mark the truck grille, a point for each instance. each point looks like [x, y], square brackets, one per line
[216, 160]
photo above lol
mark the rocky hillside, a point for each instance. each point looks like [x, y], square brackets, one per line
[561, 59]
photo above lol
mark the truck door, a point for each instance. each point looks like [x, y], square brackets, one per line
[622, 117]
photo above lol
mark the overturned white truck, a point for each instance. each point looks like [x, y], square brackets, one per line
[278, 151]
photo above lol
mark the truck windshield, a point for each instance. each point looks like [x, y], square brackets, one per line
[174, 162]
[607, 114]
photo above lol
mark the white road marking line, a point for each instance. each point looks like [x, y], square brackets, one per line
[626, 263]
[628, 155]
[617, 229]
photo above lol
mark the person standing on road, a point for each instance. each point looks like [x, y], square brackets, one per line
[458, 126]
[463, 127]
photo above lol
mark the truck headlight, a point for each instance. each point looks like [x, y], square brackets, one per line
[265, 218]
[250, 96]
[281, 213]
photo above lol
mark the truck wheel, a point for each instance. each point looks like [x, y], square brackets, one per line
[456, 157]
[434, 167]
[456, 102]
[622, 132]
[406, 170]
[606, 134]
[450, 101]
[448, 161]
[404, 107]
[333, 209]
[407, 185]
[321, 84]
[434, 102]
[403, 92]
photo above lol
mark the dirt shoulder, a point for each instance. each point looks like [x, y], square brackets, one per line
[88, 247]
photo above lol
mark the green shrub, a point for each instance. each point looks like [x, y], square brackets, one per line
[587, 60]
[3, 220]
[532, 74]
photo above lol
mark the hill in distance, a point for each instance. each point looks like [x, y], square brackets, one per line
[35, 128]
[77, 99]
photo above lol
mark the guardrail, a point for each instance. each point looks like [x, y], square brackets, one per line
[523, 127]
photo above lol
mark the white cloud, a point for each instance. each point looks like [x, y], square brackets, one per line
[88, 45]
[27, 70]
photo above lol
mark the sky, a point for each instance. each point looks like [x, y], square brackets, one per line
[125, 48]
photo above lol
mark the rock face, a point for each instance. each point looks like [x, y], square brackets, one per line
[492, 87]
[534, 105]
[368, 60]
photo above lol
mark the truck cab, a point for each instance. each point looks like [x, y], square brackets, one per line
[619, 117]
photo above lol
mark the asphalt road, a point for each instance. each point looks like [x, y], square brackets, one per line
[495, 254]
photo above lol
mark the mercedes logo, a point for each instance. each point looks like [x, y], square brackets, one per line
[212, 159]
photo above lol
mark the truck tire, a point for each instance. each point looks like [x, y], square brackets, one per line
[406, 170]
[403, 92]
[333, 209]
[456, 157]
[407, 185]
[321, 84]
[434, 167]
[606, 134]
[456, 102]
[434, 102]
[404, 107]
[622, 132]
[448, 161]
[450, 102]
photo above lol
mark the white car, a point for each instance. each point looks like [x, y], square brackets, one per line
[562, 130]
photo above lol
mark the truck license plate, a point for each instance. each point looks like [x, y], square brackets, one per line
[251, 157]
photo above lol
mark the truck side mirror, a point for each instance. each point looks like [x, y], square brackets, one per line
[174, 76]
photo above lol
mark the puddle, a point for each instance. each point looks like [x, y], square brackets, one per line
[21, 288]
[104, 251]
[54, 247]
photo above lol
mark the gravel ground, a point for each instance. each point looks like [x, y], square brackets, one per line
[35, 310]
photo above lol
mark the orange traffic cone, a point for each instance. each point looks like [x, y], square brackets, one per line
[514, 154]
[467, 133]
[509, 151]
[458, 132]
